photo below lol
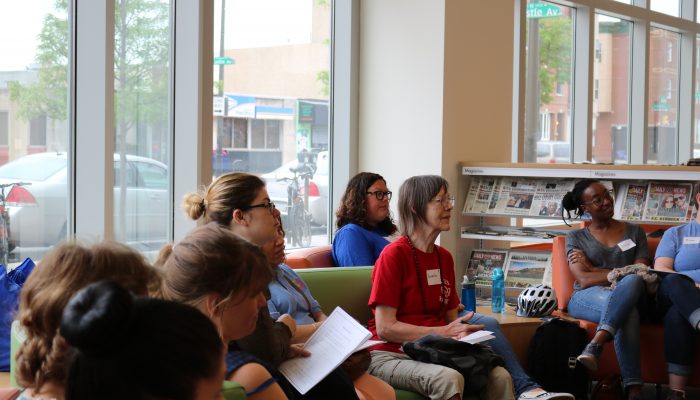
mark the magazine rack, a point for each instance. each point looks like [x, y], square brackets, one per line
[496, 197]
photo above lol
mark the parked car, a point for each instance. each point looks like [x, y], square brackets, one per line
[553, 152]
[38, 211]
[318, 188]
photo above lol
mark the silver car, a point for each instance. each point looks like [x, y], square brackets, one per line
[38, 211]
[318, 188]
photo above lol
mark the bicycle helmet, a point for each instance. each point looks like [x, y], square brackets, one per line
[536, 301]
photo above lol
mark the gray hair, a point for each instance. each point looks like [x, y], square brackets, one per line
[414, 195]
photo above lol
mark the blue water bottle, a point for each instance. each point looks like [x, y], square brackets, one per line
[468, 294]
[497, 291]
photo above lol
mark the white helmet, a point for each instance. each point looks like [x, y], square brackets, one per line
[536, 301]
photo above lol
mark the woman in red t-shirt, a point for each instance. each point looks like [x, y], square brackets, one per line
[414, 295]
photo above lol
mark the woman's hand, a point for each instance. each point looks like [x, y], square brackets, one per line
[577, 256]
[461, 327]
[297, 350]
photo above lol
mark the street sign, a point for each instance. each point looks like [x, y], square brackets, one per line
[223, 61]
[542, 10]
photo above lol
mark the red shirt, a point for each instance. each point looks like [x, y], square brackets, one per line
[395, 283]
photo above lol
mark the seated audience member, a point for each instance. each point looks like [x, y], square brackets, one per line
[139, 348]
[414, 295]
[240, 203]
[363, 221]
[43, 358]
[290, 295]
[224, 277]
[592, 253]
[679, 298]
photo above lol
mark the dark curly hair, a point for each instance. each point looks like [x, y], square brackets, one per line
[353, 205]
[573, 201]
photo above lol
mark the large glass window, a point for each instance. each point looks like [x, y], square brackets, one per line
[34, 43]
[142, 148]
[669, 7]
[271, 92]
[696, 99]
[662, 129]
[611, 90]
[549, 86]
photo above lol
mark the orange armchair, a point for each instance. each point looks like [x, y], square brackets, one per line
[312, 257]
[652, 349]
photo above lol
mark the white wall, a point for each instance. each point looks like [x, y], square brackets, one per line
[401, 90]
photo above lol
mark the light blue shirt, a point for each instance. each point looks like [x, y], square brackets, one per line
[286, 297]
[355, 246]
[682, 243]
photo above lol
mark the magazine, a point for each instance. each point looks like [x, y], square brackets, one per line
[632, 200]
[481, 192]
[527, 268]
[668, 202]
[482, 262]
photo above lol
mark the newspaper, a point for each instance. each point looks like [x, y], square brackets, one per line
[528, 268]
[632, 200]
[668, 202]
[515, 196]
[482, 262]
[548, 196]
[480, 194]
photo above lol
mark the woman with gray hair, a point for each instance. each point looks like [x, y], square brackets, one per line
[414, 295]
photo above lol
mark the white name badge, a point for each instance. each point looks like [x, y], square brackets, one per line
[433, 277]
[626, 244]
[691, 240]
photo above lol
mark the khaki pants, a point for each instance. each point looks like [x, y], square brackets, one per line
[434, 381]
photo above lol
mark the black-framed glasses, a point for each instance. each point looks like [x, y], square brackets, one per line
[598, 200]
[269, 205]
[381, 195]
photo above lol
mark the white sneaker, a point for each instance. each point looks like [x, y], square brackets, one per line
[544, 395]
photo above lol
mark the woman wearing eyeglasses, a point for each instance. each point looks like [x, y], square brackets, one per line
[592, 252]
[363, 221]
[240, 202]
[414, 294]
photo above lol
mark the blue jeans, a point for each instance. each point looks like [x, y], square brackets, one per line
[501, 346]
[616, 312]
[679, 303]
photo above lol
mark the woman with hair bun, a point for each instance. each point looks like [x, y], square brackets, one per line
[139, 348]
[224, 277]
[363, 221]
[42, 359]
[592, 252]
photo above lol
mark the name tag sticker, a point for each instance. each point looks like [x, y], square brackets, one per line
[691, 240]
[433, 277]
[626, 244]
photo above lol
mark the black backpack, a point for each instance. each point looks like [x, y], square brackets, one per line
[551, 358]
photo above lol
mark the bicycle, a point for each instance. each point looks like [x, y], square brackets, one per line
[298, 216]
[5, 246]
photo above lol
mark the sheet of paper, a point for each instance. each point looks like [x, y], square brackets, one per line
[478, 336]
[338, 337]
[368, 343]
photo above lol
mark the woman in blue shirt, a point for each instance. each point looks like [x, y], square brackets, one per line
[363, 221]
[679, 298]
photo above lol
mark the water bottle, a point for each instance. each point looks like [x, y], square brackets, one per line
[497, 291]
[468, 294]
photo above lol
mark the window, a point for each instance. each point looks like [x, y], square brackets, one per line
[611, 90]
[612, 121]
[272, 68]
[548, 79]
[34, 43]
[141, 83]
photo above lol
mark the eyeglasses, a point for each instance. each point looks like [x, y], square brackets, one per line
[447, 202]
[598, 201]
[381, 195]
[269, 205]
